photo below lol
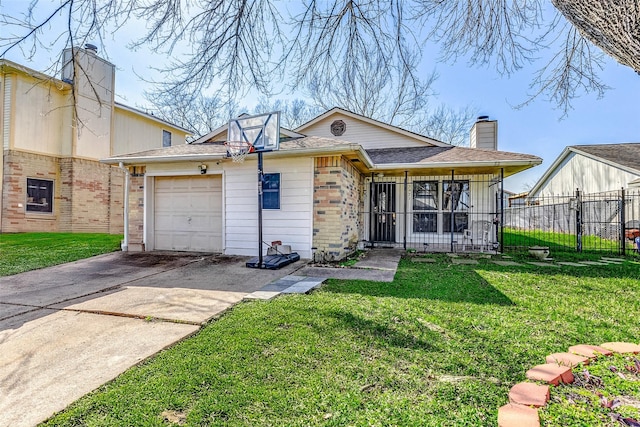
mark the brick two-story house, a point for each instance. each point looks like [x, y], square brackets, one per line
[54, 132]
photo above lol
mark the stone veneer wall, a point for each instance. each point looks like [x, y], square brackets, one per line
[338, 201]
[87, 194]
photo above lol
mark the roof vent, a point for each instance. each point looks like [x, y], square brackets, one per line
[91, 48]
[483, 118]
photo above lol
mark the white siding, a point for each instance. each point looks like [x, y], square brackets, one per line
[484, 135]
[589, 175]
[363, 133]
[292, 223]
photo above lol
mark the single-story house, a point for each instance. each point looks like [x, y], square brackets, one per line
[54, 132]
[591, 169]
[337, 182]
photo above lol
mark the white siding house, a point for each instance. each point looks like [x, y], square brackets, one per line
[336, 182]
[590, 168]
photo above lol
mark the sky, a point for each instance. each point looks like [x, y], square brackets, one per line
[537, 128]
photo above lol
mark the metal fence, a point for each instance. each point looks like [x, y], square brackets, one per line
[606, 222]
[449, 212]
[468, 213]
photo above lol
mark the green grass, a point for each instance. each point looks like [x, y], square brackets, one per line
[558, 241]
[440, 346]
[29, 251]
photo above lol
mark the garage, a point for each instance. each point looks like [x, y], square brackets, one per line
[188, 213]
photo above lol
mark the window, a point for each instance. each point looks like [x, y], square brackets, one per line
[271, 191]
[425, 198]
[456, 197]
[166, 138]
[39, 195]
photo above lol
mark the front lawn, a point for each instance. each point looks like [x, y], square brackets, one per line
[440, 346]
[29, 251]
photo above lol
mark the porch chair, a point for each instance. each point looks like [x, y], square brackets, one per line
[479, 234]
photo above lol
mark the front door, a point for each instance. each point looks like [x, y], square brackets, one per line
[383, 221]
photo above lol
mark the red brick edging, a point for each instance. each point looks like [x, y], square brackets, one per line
[526, 397]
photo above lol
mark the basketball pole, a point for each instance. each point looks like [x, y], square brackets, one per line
[260, 182]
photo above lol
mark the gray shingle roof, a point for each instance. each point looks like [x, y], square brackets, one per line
[425, 155]
[627, 154]
[220, 149]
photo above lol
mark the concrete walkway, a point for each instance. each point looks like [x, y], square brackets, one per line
[378, 265]
[66, 330]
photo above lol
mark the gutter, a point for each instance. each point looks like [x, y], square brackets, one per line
[455, 165]
[340, 149]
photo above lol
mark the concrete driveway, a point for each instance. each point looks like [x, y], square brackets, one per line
[66, 330]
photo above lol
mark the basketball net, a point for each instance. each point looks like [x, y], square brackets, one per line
[238, 150]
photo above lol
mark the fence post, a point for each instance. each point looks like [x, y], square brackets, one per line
[406, 209]
[622, 215]
[501, 210]
[578, 221]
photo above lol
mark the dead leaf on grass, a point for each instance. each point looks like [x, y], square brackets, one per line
[175, 417]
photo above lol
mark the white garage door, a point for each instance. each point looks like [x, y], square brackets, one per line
[188, 213]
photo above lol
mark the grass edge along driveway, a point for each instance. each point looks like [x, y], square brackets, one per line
[439, 346]
[22, 252]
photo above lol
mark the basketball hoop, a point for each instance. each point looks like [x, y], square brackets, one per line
[238, 150]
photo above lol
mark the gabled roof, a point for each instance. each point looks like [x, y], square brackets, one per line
[309, 145]
[206, 138]
[416, 159]
[338, 110]
[151, 117]
[625, 156]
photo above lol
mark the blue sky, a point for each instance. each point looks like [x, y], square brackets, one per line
[537, 128]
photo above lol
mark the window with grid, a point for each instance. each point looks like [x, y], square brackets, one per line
[425, 206]
[271, 191]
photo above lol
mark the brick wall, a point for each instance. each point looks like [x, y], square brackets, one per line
[18, 166]
[136, 210]
[87, 194]
[338, 201]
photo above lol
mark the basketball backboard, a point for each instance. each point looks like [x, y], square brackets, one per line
[262, 131]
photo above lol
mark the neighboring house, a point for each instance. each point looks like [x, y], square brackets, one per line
[337, 182]
[591, 169]
[54, 132]
[519, 199]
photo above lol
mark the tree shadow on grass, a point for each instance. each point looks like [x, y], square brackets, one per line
[435, 281]
[388, 332]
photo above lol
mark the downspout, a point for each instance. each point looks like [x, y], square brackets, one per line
[125, 243]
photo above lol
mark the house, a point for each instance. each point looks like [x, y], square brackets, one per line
[591, 169]
[338, 182]
[54, 132]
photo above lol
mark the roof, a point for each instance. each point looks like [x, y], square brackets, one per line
[152, 117]
[206, 138]
[625, 156]
[449, 154]
[217, 150]
[374, 122]
[409, 158]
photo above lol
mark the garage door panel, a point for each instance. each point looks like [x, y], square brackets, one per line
[188, 213]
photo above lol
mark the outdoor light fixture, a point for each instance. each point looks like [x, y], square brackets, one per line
[203, 169]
